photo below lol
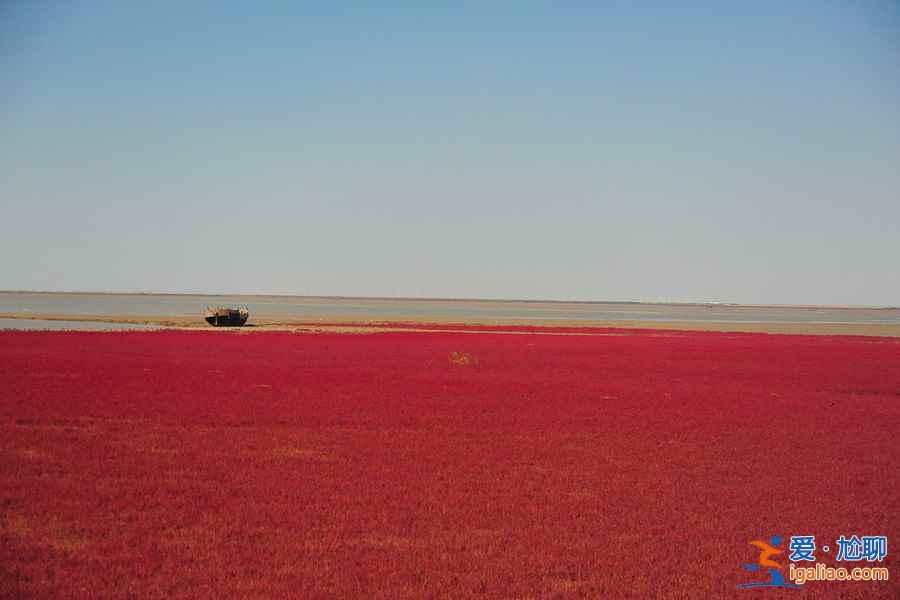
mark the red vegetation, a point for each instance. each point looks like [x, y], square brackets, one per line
[189, 464]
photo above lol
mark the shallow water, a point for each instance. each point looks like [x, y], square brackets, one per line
[300, 307]
[53, 325]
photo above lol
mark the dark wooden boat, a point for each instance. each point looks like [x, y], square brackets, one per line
[226, 316]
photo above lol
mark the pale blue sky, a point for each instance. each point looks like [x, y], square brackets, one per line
[745, 152]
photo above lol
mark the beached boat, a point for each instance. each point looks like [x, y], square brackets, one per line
[226, 316]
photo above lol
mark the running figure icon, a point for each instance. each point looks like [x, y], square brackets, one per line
[766, 551]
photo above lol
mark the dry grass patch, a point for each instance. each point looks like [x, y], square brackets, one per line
[462, 358]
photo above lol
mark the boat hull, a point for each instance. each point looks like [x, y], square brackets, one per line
[226, 317]
[226, 321]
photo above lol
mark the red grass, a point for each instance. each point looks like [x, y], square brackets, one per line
[212, 465]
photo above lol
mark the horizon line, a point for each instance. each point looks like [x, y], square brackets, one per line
[466, 299]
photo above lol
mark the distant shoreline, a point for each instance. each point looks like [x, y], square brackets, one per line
[312, 323]
[710, 303]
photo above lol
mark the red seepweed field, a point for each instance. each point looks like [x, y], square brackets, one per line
[452, 464]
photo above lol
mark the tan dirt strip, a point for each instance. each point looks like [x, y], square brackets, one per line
[350, 325]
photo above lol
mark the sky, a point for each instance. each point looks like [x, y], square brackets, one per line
[690, 151]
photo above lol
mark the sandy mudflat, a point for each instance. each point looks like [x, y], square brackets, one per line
[350, 324]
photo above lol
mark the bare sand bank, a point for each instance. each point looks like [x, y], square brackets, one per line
[350, 324]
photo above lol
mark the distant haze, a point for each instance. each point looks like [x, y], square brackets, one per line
[593, 151]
